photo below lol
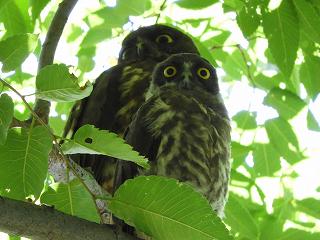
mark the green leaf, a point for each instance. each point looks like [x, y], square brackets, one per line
[248, 19]
[71, 198]
[267, 83]
[283, 138]
[310, 75]
[74, 33]
[232, 5]
[309, 19]
[14, 15]
[297, 234]
[281, 27]
[91, 140]
[37, 6]
[238, 217]
[286, 103]
[245, 120]
[235, 66]
[19, 77]
[239, 153]
[191, 4]
[271, 228]
[24, 162]
[204, 52]
[266, 159]
[119, 15]
[85, 59]
[309, 206]
[166, 209]
[312, 122]
[6, 114]
[95, 35]
[14, 50]
[55, 83]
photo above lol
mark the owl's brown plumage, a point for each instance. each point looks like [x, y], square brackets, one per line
[183, 128]
[120, 91]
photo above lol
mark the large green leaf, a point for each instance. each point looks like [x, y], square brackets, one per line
[283, 138]
[248, 18]
[281, 27]
[312, 122]
[37, 7]
[91, 140]
[86, 59]
[204, 52]
[195, 4]
[309, 19]
[95, 35]
[239, 153]
[245, 120]
[310, 75]
[14, 15]
[14, 50]
[55, 83]
[119, 15]
[24, 162]
[238, 217]
[166, 209]
[266, 160]
[309, 206]
[6, 114]
[286, 103]
[297, 234]
[71, 198]
[235, 66]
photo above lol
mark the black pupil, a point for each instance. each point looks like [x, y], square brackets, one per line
[163, 39]
[170, 71]
[203, 73]
[88, 140]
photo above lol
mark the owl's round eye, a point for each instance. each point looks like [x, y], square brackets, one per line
[169, 71]
[204, 73]
[164, 38]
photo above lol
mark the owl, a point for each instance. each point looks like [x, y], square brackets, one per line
[183, 128]
[120, 91]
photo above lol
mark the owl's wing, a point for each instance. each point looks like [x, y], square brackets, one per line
[98, 109]
[138, 136]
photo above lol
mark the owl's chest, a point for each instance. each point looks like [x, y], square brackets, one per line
[177, 114]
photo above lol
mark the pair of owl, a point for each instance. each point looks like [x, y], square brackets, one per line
[163, 98]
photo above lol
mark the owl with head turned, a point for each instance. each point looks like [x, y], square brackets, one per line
[183, 128]
[120, 91]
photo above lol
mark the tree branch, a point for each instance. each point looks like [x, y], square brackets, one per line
[42, 107]
[42, 222]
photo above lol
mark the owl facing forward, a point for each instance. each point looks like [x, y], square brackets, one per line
[183, 128]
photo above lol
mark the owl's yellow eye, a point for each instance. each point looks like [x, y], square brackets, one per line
[164, 38]
[169, 71]
[204, 73]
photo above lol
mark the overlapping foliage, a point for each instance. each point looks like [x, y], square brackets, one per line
[272, 50]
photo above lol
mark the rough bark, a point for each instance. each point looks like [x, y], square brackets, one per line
[43, 222]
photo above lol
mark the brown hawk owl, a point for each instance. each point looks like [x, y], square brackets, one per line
[120, 91]
[183, 128]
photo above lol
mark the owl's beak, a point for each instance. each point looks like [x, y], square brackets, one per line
[186, 75]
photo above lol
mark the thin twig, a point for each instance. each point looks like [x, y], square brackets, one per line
[162, 7]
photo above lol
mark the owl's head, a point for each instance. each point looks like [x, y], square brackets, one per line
[186, 71]
[156, 41]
